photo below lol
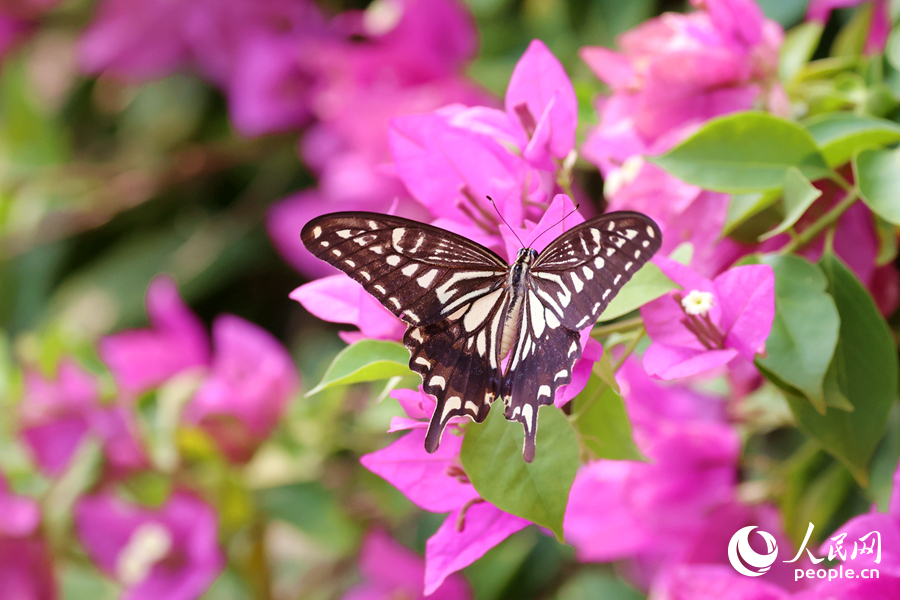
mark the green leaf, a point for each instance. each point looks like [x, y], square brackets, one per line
[538, 491]
[878, 176]
[841, 134]
[805, 330]
[851, 38]
[744, 152]
[799, 194]
[743, 211]
[604, 370]
[603, 425]
[315, 511]
[799, 45]
[648, 284]
[366, 360]
[866, 367]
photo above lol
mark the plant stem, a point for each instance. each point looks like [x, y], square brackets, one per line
[825, 221]
[630, 348]
[620, 326]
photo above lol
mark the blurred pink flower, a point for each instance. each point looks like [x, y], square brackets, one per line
[451, 160]
[674, 73]
[708, 582]
[57, 415]
[392, 571]
[141, 359]
[437, 483]
[887, 549]
[707, 323]
[879, 28]
[26, 570]
[171, 552]
[139, 40]
[681, 507]
[11, 31]
[251, 380]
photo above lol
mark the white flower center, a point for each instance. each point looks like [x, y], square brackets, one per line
[382, 16]
[697, 303]
[147, 545]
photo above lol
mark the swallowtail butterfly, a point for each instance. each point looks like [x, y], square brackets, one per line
[478, 328]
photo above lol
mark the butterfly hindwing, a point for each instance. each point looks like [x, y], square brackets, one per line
[541, 360]
[458, 360]
[419, 272]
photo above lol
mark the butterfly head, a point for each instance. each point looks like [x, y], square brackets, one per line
[526, 256]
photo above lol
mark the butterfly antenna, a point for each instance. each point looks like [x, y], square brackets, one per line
[494, 204]
[568, 214]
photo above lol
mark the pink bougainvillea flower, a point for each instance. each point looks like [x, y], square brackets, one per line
[615, 508]
[171, 552]
[11, 31]
[339, 299]
[707, 323]
[437, 483]
[57, 415]
[390, 570]
[879, 28]
[26, 570]
[706, 582]
[248, 387]
[679, 508]
[144, 358]
[135, 39]
[672, 74]
[621, 509]
[879, 551]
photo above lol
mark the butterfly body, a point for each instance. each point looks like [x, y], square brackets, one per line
[479, 328]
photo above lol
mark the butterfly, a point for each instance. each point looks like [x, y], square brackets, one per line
[479, 328]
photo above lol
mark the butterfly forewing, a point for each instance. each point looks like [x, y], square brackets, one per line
[420, 273]
[582, 270]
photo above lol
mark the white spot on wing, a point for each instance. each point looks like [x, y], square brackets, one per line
[421, 360]
[544, 390]
[438, 381]
[528, 415]
[537, 314]
[650, 232]
[345, 233]
[379, 289]
[579, 285]
[416, 335]
[552, 321]
[427, 279]
[561, 374]
[588, 274]
[317, 231]
[393, 260]
[409, 269]
[630, 233]
[395, 302]
[480, 310]
[336, 252]
[396, 236]
[453, 403]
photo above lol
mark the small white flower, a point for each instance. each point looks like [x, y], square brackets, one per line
[697, 302]
[147, 545]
